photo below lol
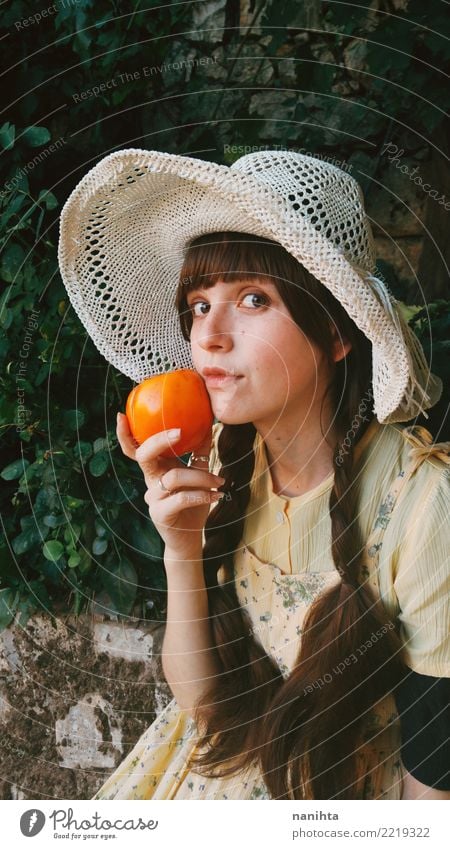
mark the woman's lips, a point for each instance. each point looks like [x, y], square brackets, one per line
[220, 380]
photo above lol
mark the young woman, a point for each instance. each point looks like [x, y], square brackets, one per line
[306, 622]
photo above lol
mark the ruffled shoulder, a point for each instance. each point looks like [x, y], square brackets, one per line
[423, 447]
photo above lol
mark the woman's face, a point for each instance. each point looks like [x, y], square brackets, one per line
[275, 371]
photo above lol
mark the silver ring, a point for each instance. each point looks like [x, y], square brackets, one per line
[204, 458]
[161, 485]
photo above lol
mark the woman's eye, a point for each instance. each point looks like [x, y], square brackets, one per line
[257, 295]
[196, 309]
[193, 307]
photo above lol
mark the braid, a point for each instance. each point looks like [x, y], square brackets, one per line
[225, 524]
[318, 730]
[250, 676]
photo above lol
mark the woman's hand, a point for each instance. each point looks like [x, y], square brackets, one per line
[180, 514]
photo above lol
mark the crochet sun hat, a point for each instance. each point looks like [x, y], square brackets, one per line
[125, 228]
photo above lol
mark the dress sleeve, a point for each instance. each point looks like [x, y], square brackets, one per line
[423, 705]
[422, 584]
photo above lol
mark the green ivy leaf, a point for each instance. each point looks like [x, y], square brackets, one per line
[6, 318]
[46, 499]
[99, 546]
[51, 571]
[14, 470]
[26, 606]
[14, 205]
[73, 503]
[74, 559]
[8, 604]
[72, 534]
[47, 199]
[145, 538]
[101, 530]
[36, 136]
[52, 550]
[101, 444]
[85, 561]
[99, 464]
[7, 135]
[82, 451]
[8, 563]
[12, 260]
[121, 583]
[42, 374]
[73, 419]
[26, 540]
[53, 521]
[40, 594]
[29, 473]
[118, 493]
[3, 305]
[34, 520]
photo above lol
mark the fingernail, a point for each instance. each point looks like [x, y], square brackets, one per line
[118, 418]
[174, 433]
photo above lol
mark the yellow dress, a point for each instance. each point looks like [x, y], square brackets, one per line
[284, 562]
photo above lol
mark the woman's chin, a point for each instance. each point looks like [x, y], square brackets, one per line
[229, 411]
[229, 419]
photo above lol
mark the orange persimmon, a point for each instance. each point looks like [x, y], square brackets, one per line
[176, 399]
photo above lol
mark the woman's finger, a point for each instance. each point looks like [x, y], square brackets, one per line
[183, 477]
[125, 438]
[146, 454]
[183, 499]
[149, 452]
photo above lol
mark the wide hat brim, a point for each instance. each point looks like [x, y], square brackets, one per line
[123, 236]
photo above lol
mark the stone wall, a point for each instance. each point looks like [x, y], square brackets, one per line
[76, 694]
[258, 84]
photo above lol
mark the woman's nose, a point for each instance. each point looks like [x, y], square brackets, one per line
[216, 331]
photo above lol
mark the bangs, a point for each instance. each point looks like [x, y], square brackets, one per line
[230, 256]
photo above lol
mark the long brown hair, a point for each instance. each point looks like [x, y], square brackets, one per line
[303, 737]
